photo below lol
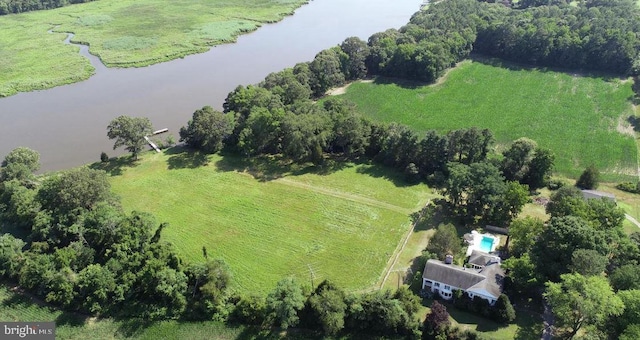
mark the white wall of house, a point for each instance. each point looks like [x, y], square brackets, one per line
[446, 291]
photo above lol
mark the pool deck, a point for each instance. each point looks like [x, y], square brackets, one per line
[476, 244]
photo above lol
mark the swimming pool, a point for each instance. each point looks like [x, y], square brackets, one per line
[486, 244]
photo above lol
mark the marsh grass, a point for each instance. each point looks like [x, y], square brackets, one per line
[582, 118]
[123, 33]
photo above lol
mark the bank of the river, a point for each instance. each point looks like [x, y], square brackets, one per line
[122, 33]
[67, 124]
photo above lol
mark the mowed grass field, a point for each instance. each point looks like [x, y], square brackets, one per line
[583, 119]
[122, 33]
[343, 223]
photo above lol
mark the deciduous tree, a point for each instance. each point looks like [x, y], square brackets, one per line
[20, 164]
[284, 302]
[589, 179]
[207, 130]
[578, 301]
[129, 132]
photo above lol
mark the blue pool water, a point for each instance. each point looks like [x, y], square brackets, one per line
[486, 244]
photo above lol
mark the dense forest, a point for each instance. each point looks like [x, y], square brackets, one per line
[76, 247]
[20, 6]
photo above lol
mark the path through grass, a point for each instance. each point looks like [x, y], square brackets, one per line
[342, 222]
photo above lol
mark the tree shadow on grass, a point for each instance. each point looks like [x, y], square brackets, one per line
[184, 158]
[269, 168]
[381, 171]
[22, 301]
[400, 82]
[635, 122]
[115, 166]
[515, 66]
[130, 327]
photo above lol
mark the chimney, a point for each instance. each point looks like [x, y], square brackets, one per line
[448, 259]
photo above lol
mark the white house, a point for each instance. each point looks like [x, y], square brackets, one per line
[443, 278]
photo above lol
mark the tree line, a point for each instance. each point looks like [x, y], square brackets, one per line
[20, 6]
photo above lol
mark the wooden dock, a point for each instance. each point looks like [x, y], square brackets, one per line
[153, 145]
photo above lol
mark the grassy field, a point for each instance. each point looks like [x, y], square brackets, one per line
[342, 222]
[17, 307]
[122, 33]
[584, 120]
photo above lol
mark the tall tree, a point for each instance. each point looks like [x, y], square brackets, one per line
[19, 164]
[327, 71]
[207, 129]
[328, 307]
[517, 157]
[445, 241]
[129, 132]
[589, 179]
[284, 302]
[436, 321]
[578, 302]
[554, 247]
[523, 233]
[357, 52]
[540, 168]
[588, 262]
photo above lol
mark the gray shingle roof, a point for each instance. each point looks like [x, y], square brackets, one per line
[481, 258]
[489, 279]
[451, 275]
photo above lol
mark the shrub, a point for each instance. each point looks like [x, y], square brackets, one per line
[589, 179]
[503, 310]
[555, 184]
[104, 157]
[436, 321]
[629, 187]
[249, 310]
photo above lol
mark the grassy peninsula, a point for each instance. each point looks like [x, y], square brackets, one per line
[123, 34]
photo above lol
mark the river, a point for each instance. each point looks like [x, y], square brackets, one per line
[67, 124]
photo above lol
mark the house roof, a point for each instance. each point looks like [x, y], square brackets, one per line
[451, 275]
[493, 282]
[488, 279]
[597, 194]
[481, 258]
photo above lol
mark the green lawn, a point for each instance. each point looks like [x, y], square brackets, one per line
[526, 326]
[17, 307]
[582, 119]
[122, 33]
[343, 222]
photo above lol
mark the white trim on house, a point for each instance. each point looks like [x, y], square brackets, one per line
[444, 279]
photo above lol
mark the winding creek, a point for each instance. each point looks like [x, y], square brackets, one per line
[67, 124]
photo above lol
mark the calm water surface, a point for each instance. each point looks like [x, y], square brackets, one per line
[67, 124]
